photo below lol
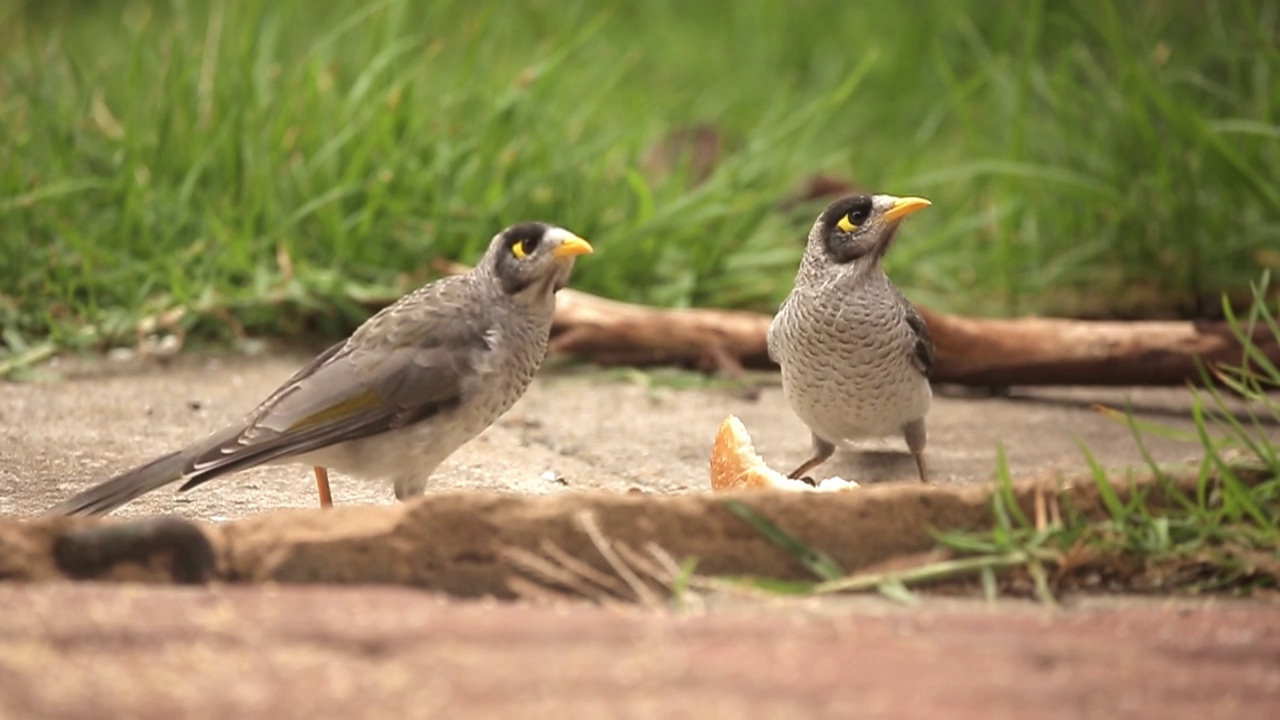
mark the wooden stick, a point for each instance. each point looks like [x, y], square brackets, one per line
[1056, 351]
[969, 350]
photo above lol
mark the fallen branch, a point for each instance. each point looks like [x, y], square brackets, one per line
[970, 351]
[1055, 351]
[613, 333]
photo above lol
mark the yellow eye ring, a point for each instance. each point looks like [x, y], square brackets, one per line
[518, 250]
[846, 224]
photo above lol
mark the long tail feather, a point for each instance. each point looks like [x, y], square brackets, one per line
[126, 486]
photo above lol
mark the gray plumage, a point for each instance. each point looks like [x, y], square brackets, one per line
[855, 355]
[409, 387]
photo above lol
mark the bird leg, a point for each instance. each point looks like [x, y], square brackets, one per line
[914, 433]
[924, 474]
[322, 484]
[822, 450]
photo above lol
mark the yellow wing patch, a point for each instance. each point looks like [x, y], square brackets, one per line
[366, 400]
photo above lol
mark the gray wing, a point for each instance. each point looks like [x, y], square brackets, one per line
[414, 360]
[922, 353]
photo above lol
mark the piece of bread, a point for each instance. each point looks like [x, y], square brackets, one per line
[735, 465]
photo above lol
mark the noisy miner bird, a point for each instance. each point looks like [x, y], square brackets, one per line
[855, 355]
[408, 388]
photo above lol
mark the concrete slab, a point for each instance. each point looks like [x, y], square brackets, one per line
[572, 431]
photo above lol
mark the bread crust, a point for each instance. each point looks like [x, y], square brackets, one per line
[735, 465]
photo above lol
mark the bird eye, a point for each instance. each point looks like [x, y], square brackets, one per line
[522, 248]
[853, 220]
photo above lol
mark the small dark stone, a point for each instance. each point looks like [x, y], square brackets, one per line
[93, 552]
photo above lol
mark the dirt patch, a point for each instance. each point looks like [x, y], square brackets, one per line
[305, 652]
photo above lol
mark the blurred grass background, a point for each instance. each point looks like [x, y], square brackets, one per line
[277, 165]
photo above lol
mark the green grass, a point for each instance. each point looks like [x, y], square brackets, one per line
[283, 161]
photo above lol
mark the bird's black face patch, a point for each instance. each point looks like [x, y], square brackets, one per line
[513, 259]
[523, 257]
[521, 240]
[856, 208]
[840, 224]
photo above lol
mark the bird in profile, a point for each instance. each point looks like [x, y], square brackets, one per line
[410, 386]
[855, 355]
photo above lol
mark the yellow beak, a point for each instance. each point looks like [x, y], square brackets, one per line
[572, 247]
[903, 207]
